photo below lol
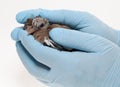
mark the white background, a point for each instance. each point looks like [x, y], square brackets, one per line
[12, 72]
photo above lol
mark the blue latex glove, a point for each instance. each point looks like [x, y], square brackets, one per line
[97, 66]
[81, 21]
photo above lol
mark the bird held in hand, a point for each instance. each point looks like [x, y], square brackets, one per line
[40, 27]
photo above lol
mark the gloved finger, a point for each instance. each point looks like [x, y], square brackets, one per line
[75, 19]
[21, 17]
[80, 40]
[34, 67]
[15, 33]
[36, 49]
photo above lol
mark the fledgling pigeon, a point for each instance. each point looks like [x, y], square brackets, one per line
[40, 27]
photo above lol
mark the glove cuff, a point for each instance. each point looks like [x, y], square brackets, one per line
[113, 77]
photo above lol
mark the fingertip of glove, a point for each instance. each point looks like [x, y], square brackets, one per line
[14, 34]
[22, 16]
[55, 32]
[58, 34]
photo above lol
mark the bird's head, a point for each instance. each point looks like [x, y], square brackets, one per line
[39, 23]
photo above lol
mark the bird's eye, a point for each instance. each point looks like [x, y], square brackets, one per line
[42, 25]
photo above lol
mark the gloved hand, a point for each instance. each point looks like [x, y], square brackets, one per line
[81, 21]
[97, 65]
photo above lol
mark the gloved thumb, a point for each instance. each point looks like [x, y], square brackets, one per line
[80, 40]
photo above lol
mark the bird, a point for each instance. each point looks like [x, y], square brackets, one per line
[40, 27]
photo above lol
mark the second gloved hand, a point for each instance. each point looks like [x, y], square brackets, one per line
[97, 65]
